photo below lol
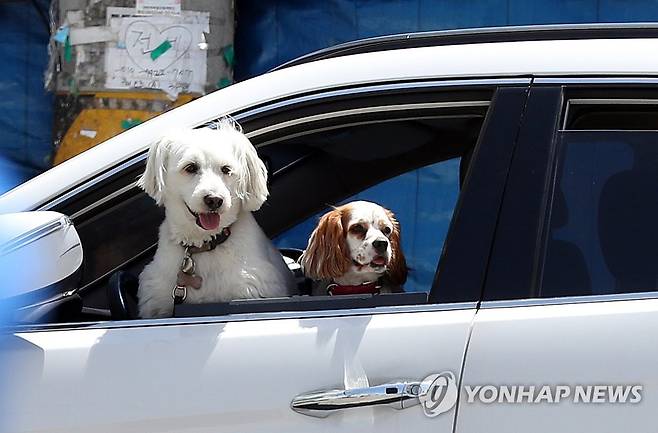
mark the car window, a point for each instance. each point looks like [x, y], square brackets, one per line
[591, 114]
[115, 236]
[411, 166]
[602, 232]
[410, 160]
[423, 200]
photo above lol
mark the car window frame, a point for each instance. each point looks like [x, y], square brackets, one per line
[493, 84]
[515, 271]
[277, 107]
[129, 191]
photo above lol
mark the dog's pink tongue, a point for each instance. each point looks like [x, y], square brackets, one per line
[209, 221]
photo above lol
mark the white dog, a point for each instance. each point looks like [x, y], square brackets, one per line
[209, 181]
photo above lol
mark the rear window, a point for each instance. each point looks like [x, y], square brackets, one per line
[617, 114]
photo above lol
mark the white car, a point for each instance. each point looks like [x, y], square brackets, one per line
[523, 166]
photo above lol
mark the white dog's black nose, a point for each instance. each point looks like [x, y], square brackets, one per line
[213, 202]
[380, 245]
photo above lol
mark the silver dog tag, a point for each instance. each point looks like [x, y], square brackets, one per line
[187, 266]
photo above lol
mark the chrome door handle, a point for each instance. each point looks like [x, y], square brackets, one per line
[398, 395]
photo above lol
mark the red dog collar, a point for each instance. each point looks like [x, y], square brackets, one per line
[369, 288]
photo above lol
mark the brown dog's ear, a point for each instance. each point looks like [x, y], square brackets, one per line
[397, 268]
[327, 254]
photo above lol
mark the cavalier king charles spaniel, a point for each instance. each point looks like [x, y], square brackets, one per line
[355, 249]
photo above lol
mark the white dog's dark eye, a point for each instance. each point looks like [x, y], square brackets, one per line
[226, 169]
[191, 168]
[386, 231]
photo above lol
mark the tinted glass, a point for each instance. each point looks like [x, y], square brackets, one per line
[620, 116]
[603, 228]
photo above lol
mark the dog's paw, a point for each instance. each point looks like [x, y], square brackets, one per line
[154, 308]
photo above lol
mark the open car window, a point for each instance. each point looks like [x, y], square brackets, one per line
[411, 161]
[423, 200]
[410, 164]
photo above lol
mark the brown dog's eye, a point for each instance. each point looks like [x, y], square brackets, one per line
[358, 229]
[226, 169]
[191, 168]
[386, 230]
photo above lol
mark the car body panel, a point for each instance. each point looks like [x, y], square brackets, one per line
[605, 342]
[235, 376]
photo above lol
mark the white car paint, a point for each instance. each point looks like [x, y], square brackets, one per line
[46, 238]
[224, 377]
[584, 343]
[501, 59]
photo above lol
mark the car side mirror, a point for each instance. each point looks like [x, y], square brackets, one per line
[40, 262]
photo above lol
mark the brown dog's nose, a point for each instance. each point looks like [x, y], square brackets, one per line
[213, 202]
[380, 245]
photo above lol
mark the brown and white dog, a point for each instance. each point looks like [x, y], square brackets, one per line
[355, 249]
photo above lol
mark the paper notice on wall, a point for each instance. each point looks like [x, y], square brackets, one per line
[157, 52]
[158, 7]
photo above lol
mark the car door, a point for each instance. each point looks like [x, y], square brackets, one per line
[242, 371]
[565, 338]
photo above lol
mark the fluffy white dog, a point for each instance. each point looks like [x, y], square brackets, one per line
[209, 181]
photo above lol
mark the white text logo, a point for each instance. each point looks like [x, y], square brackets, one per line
[554, 394]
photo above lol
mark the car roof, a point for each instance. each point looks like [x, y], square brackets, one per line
[481, 35]
[469, 61]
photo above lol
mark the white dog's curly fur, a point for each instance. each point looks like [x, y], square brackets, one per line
[208, 179]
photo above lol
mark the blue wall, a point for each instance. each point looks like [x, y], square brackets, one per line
[272, 32]
[25, 107]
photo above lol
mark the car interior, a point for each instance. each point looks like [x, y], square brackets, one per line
[604, 244]
[307, 172]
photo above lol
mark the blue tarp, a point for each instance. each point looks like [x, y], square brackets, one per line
[25, 107]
